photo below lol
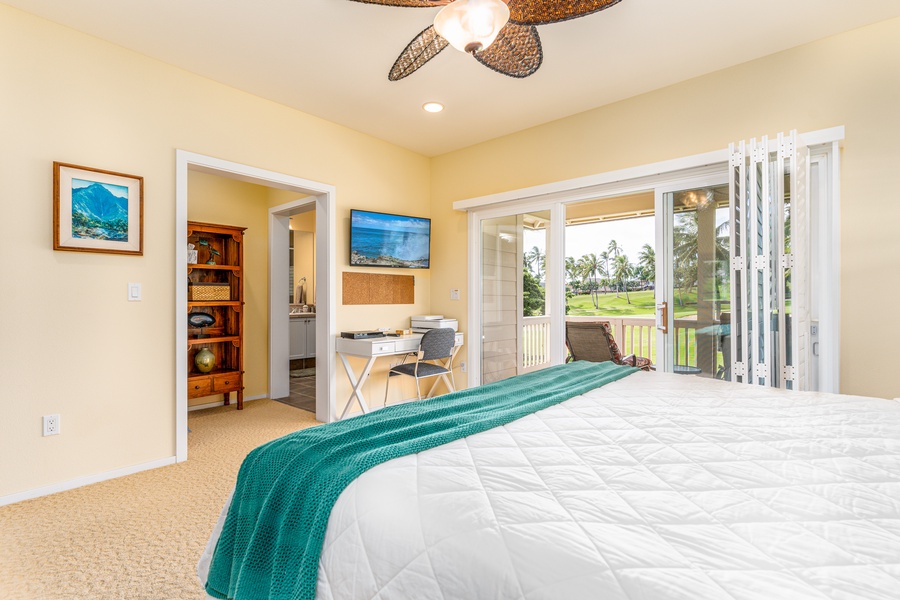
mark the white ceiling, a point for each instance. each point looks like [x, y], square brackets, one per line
[330, 58]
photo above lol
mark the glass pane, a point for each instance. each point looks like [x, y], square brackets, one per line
[788, 320]
[736, 315]
[701, 282]
[515, 315]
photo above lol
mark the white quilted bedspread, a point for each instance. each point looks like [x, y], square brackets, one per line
[656, 487]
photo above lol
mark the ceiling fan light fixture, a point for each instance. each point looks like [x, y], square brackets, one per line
[471, 25]
[433, 107]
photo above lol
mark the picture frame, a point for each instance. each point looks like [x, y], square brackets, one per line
[95, 210]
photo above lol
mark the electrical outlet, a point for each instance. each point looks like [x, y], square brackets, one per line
[462, 366]
[51, 425]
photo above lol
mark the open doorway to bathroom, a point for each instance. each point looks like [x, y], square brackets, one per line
[302, 325]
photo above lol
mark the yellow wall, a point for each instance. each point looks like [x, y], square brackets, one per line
[851, 79]
[70, 343]
[213, 199]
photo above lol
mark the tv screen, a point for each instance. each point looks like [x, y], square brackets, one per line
[383, 240]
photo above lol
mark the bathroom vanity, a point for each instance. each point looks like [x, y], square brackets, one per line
[302, 335]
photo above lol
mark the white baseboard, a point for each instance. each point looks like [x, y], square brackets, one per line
[82, 481]
[222, 403]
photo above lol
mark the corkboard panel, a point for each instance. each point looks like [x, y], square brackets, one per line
[376, 288]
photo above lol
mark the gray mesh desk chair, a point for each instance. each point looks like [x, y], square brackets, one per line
[436, 345]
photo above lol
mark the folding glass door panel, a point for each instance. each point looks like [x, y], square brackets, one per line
[693, 275]
[770, 262]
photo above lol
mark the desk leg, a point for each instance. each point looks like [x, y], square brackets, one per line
[357, 384]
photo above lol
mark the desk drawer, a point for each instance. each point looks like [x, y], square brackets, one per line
[382, 348]
[407, 345]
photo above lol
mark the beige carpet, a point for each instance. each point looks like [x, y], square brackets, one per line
[136, 537]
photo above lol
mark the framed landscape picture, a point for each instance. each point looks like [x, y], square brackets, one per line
[97, 211]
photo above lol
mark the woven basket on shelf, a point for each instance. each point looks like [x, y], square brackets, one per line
[209, 292]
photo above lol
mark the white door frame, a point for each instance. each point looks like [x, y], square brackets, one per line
[324, 196]
[279, 309]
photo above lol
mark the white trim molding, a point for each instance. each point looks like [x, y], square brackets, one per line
[82, 481]
[325, 286]
[222, 403]
[631, 179]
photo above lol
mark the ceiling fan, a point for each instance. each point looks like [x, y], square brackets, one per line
[501, 34]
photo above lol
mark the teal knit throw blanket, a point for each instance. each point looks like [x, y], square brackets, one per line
[272, 537]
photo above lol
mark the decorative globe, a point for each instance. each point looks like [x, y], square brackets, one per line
[205, 360]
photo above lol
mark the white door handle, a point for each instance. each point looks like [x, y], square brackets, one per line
[662, 317]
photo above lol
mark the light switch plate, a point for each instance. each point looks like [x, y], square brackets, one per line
[454, 294]
[134, 292]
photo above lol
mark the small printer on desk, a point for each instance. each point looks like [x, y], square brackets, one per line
[422, 323]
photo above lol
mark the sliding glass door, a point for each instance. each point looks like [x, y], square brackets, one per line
[740, 282]
[514, 306]
[693, 292]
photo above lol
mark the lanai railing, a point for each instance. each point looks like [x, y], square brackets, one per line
[535, 343]
[634, 335]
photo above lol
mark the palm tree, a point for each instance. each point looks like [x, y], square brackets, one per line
[614, 251]
[623, 270]
[686, 250]
[604, 256]
[590, 264]
[571, 270]
[647, 262]
[534, 260]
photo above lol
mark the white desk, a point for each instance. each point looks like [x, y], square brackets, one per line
[373, 348]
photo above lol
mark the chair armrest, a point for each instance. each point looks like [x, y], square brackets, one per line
[630, 360]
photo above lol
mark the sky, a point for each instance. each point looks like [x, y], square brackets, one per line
[631, 234]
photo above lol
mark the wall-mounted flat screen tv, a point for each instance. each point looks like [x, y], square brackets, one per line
[384, 240]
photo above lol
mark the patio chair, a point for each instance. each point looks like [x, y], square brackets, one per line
[593, 341]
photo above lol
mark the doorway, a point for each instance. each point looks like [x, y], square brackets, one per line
[322, 198]
[302, 311]
[679, 182]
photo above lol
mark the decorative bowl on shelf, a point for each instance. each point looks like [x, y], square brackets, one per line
[200, 320]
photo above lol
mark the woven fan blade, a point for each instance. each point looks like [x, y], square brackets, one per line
[516, 51]
[423, 48]
[541, 12]
[407, 3]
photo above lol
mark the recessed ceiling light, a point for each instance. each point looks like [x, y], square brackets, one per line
[433, 107]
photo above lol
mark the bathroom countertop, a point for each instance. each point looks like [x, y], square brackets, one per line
[306, 315]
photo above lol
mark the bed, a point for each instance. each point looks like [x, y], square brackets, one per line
[653, 486]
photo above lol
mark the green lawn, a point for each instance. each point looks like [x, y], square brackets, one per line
[643, 304]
